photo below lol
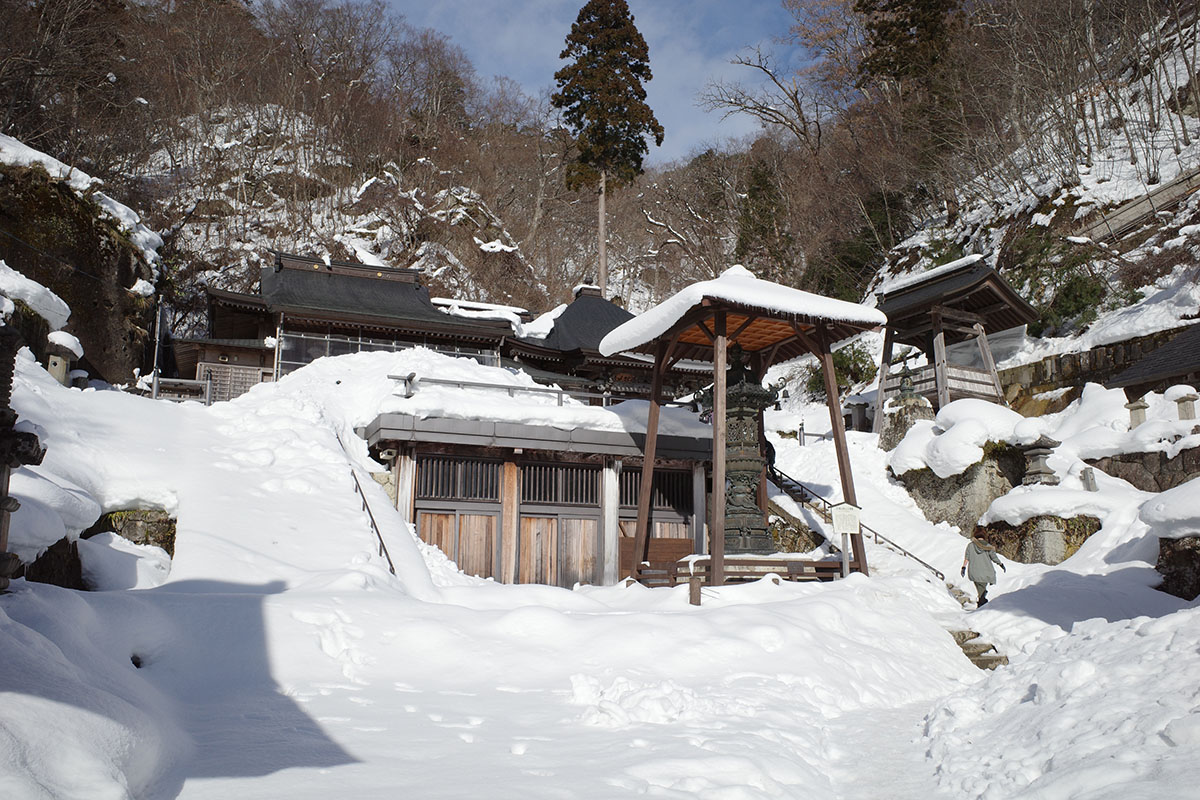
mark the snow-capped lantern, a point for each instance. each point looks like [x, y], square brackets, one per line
[1137, 412]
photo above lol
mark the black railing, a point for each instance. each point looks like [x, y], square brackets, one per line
[383, 551]
[806, 495]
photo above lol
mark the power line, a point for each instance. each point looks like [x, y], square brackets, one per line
[52, 257]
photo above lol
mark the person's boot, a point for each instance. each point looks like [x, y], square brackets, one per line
[982, 602]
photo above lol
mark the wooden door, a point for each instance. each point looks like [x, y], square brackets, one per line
[579, 546]
[477, 544]
[539, 550]
[437, 529]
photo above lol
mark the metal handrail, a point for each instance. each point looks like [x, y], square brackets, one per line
[411, 382]
[383, 551]
[782, 477]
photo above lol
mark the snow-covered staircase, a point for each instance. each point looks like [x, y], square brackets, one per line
[982, 654]
[807, 497]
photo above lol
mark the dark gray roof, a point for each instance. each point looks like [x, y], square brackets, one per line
[583, 323]
[359, 293]
[1171, 363]
[974, 287]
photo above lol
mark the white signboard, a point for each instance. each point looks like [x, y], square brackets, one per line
[845, 524]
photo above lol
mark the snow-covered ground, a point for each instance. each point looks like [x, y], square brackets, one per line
[279, 658]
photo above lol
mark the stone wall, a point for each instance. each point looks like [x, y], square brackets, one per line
[140, 526]
[1075, 369]
[1152, 472]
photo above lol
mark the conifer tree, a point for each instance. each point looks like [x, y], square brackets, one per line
[604, 102]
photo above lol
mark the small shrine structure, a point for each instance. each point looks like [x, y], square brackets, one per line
[956, 302]
[770, 323]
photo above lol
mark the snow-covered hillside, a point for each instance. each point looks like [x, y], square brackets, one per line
[280, 658]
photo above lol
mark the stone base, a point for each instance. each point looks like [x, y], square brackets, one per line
[743, 541]
[59, 565]
[1179, 564]
[899, 421]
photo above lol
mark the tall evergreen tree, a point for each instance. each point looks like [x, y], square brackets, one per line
[604, 102]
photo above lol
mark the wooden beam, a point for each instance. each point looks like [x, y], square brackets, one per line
[885, 364]
[641, 541]
[716, 536]
[749, 320]
[839, 441]
[989, 363]
[704, 329]
[955, 314]
[940, 379]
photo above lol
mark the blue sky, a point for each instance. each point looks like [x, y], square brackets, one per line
[691, 42]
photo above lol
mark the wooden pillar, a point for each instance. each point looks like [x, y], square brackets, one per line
[839, 442]
[610, 525]
[716, 528]
[406, 481]
[989, 363]
[699, 529]
[641, 540]
[885, 364]
[940, 376]
[510, 520]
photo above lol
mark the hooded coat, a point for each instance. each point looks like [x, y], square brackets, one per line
[979, 562]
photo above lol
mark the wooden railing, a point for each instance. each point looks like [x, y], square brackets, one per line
[806, 495]
[963, 381]
[738, 570]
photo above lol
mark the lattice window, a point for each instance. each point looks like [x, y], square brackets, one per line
[560, 484]
[448, 478]
[672, 489]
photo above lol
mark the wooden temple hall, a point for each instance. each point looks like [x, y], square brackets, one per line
[947, 314]
[593, 494]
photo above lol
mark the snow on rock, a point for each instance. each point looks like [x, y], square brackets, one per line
[52, 507]
[147, 241]
[142, 288]
[66, 340]
[736, 285]
[45, 303]
[954, 441]
[1175, 513]
[1094, 426]
[111, 563]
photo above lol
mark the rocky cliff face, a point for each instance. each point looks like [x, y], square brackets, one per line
[962, 499]
[62, 240]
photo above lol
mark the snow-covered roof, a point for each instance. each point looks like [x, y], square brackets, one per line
[737, 286]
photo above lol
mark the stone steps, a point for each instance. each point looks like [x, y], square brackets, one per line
[982, 654]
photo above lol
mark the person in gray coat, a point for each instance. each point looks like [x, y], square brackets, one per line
[977, 566]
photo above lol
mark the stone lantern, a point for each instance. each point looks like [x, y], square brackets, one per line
[1137, 412]
[1186, 403]
[1037, 471]
[745, 523]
